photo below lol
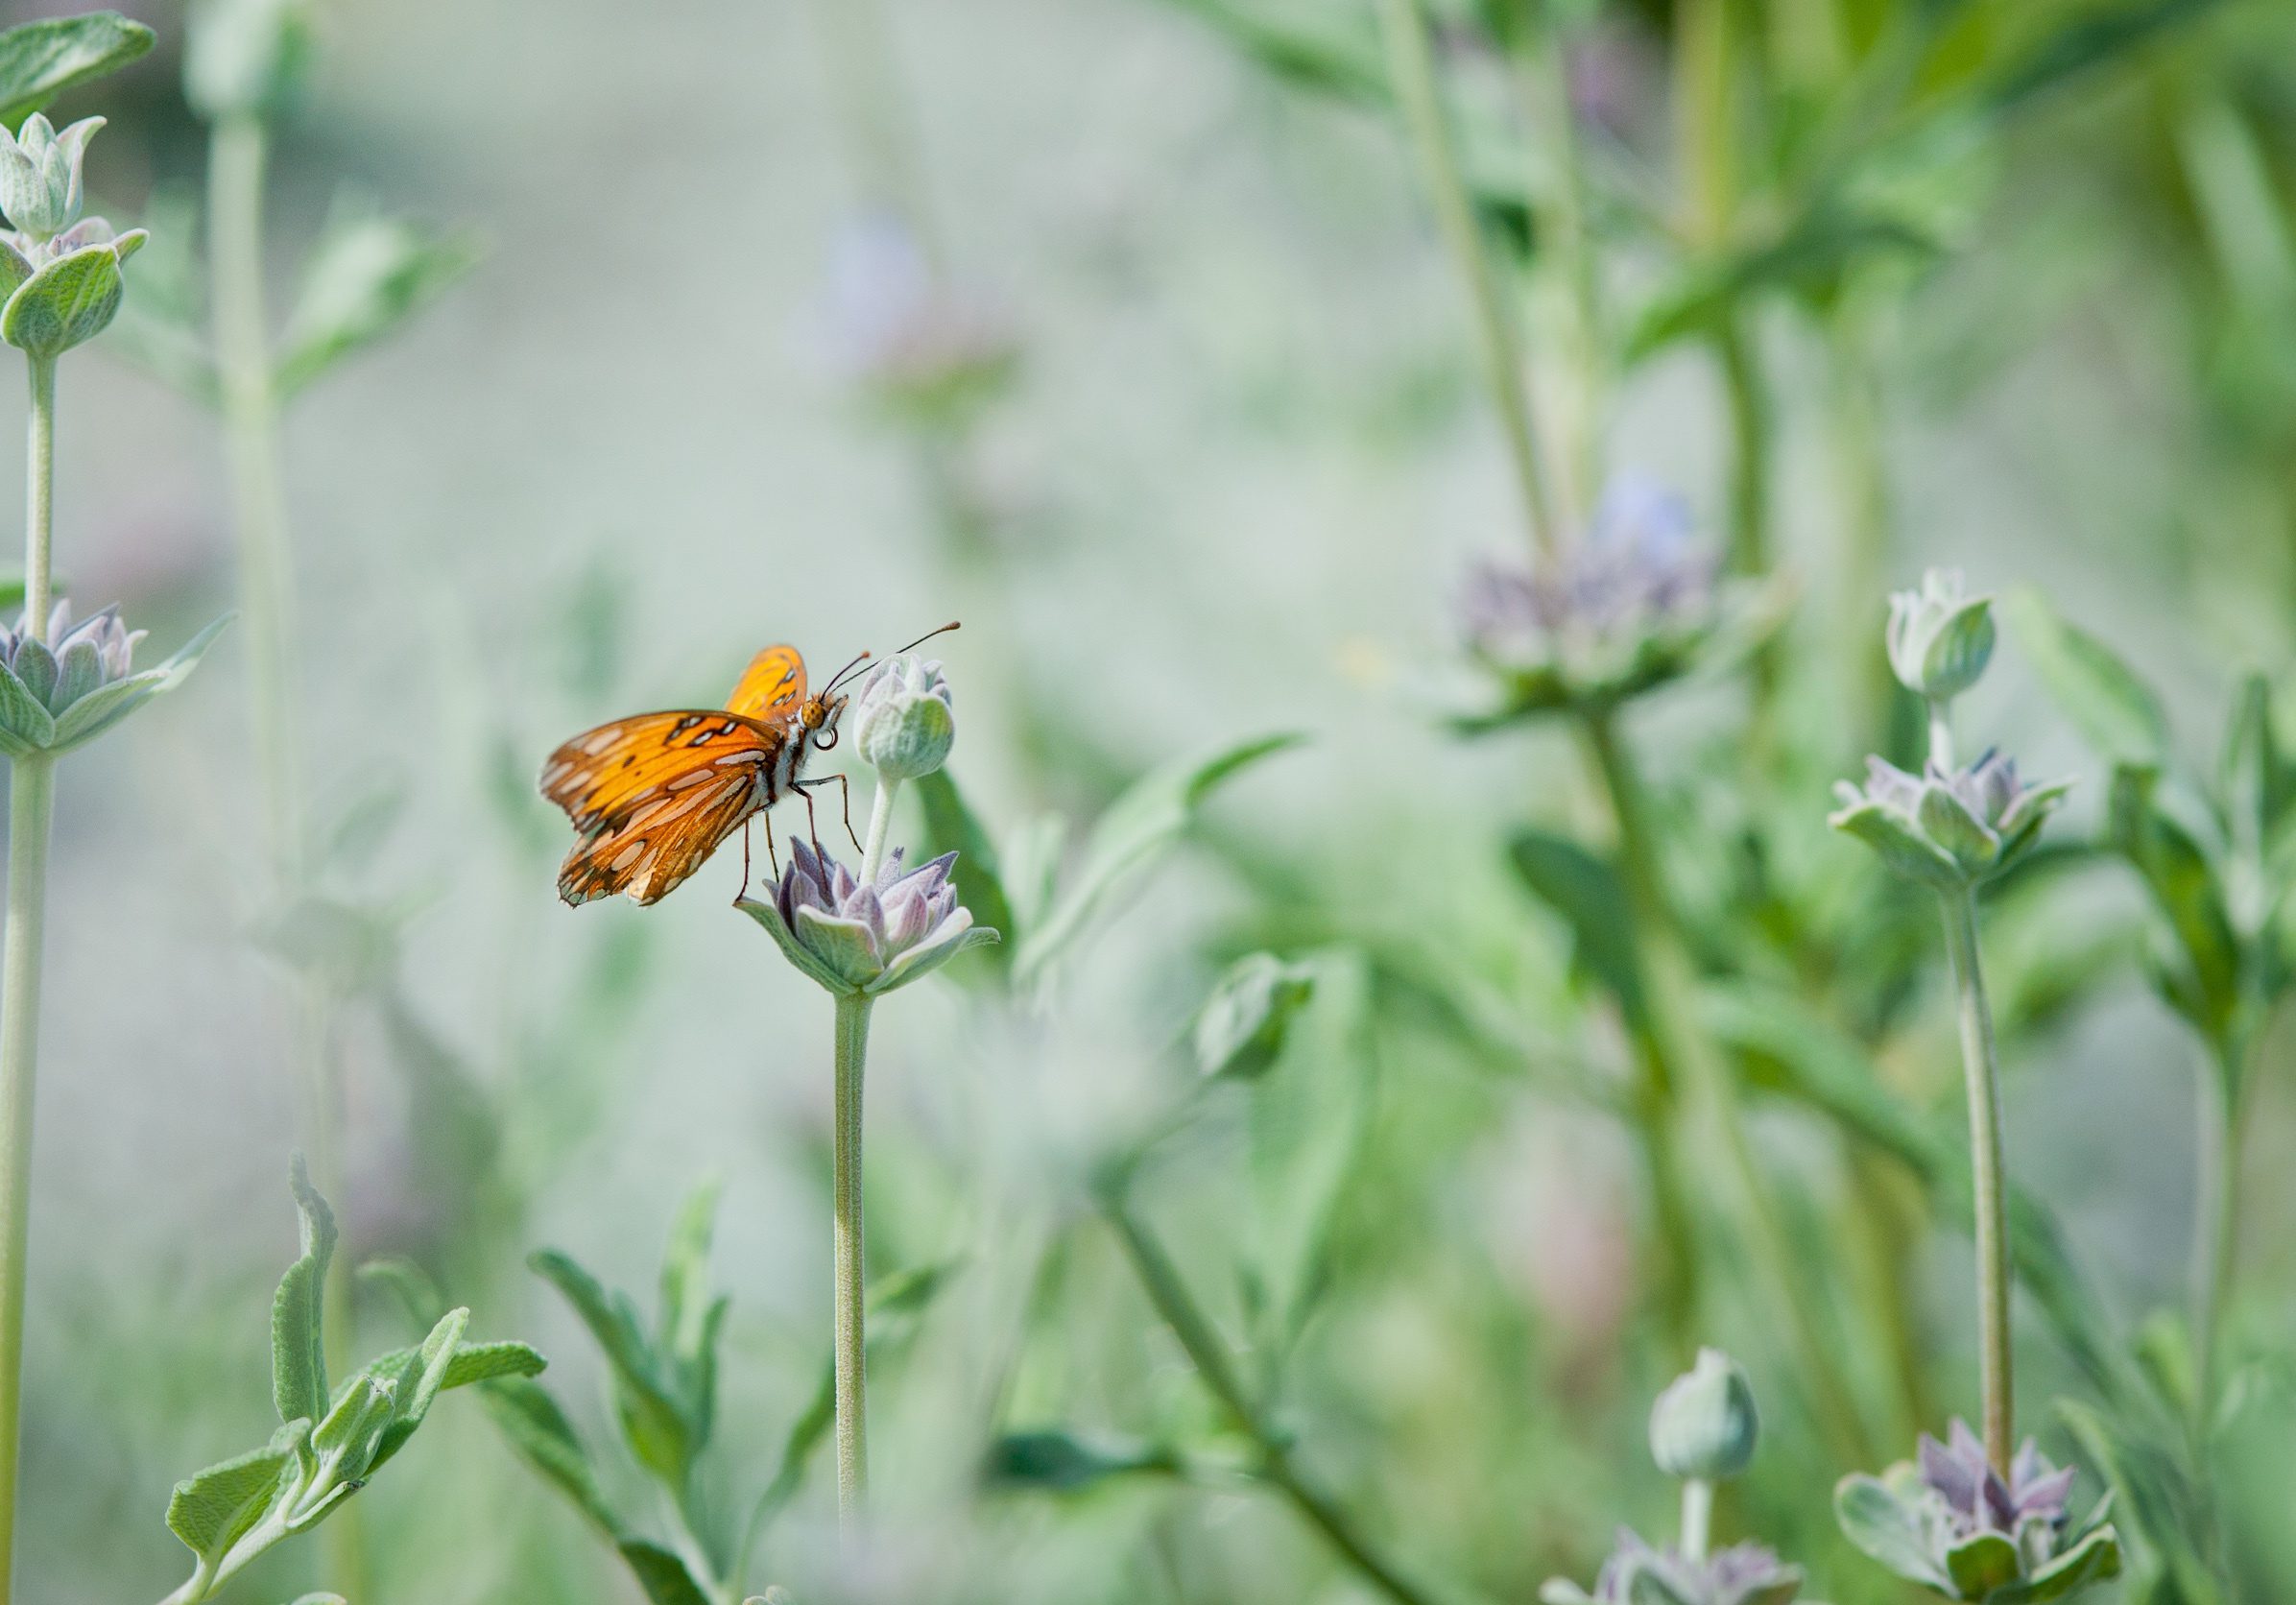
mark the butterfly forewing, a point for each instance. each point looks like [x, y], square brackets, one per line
[653, 796]
[772, 687]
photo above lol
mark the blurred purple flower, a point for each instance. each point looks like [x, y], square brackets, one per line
[1626, 607]
[1638, 1574]
[1980, 1498]
[895, 328]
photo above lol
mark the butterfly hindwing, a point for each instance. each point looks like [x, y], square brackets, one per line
[772, 687]
[653, 796]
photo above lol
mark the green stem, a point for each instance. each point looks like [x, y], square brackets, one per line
[852, 1273]
[1411, 63]
[1704, 120]
[32, 797]
[236, 159]
[1983, 1076]
[2215, 1223]
[1697, 1516]
[1668, 999]
[1548, 89]
[1750, 430]
[880, 828]
[1160, 1280]
[1940, 735]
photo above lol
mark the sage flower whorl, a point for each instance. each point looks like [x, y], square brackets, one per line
[863, 941]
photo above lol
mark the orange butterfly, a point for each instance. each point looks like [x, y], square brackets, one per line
[653, 796]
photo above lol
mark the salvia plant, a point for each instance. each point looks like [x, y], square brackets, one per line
[1982, 1519]
[62, 682]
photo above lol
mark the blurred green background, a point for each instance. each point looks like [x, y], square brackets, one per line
[1226, 484]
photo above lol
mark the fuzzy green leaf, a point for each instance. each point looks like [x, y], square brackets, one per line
[1870, 1517]
[102, 708]
[213, 1510]
[1587, 892]
[68, 303]
[26, 725]
[298, 1351]
[2092, 1560]
[2116, 712]
[1982, 1564]
[39, 61]
[950, 825]
[652, 1417]
[367, 275]
[416, 1395]
[538, 1432]
[1139, 827]
[2205, 980]
[1241, 1029]
[488, 1362]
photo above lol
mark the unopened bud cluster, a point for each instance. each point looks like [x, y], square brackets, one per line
[59, 273]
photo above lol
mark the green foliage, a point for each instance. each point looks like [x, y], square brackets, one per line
[329, 1443]
[1138, 828]
[1240, 1030]
[365, 277]
[39, 61]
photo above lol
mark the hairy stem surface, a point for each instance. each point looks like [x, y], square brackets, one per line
[1983, 1074]
[852, 1272]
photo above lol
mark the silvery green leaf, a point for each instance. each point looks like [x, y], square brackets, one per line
[298, 1355]
[652, 1418]
[213, 1510]
[793, 951]
[412, 1402]
[842, 946]
[1945, 820]
[1981, 1563]
[2096, 1558]
[1648, 1585]
[1139, 827]
[686, 1300]
[102, 708]
[489, 1363]
[367, 275]
[36, 666]
[957, 935]
[26, 725]
[539, 1432]
[1902, 846]
[1587, 892]
[67, 303]
[1872, 1518]
[1240, 1030]
[320, 1599]
[2116, 712]
[14, 270]
[950, 825]
[79, 671]
[39, 61]
[1560, 1590]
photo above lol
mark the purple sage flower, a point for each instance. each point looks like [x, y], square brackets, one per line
[80, 681]
[1948, 827]
[866, 940]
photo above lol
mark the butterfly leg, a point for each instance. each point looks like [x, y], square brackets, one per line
[812, 825]
[846, 790]
[745, 863]
[771, 856]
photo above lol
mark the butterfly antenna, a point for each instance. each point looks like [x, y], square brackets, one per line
[838, 678]
[952, 624]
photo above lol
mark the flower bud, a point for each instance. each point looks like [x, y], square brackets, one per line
[40, 185]
[1938, 639]
[1704, 1426]
[905, 719]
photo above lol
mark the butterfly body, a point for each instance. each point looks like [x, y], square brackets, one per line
[653, 796]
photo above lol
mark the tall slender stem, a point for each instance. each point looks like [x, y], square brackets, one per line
[1668, 987]
[852, 1271]
[1983, 1074]
[1547, 87]
[31, 799]
[1412, 63]
[236, 160]
[880, 828]
[1208, 1355]
[2215, 1221]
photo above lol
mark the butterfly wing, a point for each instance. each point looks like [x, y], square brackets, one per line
[772, 687]
[651, 797]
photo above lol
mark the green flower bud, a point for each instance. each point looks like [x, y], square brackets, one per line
[905, 719]
[1938, 639]
[41, 186]
[1704, 1426]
